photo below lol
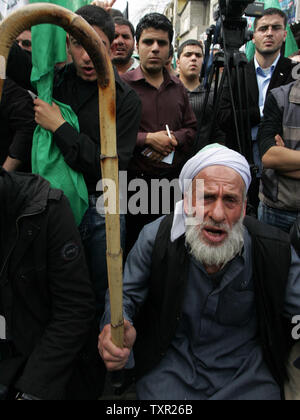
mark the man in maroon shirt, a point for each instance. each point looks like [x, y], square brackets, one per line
[164, 103]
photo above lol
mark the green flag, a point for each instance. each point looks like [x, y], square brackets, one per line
[49, 48]
[290, 46]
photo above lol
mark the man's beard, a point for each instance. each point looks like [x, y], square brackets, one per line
[268, 52]
[122, 61]
[215, 256]
[154, 70]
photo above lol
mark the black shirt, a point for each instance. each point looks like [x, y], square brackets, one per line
[271, 125]
[82, 151]
[17, 124]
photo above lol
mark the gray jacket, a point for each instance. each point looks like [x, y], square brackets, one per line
[278, 191]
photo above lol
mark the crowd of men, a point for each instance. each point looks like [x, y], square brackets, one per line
[210, 293]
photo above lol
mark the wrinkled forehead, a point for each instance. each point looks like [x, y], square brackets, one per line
[216, 177]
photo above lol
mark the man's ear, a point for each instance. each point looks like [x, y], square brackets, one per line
[186, 204]
[189, 209]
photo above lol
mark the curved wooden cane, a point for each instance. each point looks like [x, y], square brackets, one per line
[75, 25]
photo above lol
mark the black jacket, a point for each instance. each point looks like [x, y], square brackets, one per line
[17, 124]
[45, 293]
[282, 75]
[158, 319]
[81, 151]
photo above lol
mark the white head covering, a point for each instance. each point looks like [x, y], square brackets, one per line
[213, 155]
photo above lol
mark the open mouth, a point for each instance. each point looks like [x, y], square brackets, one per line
[214, 235]
[88, 70]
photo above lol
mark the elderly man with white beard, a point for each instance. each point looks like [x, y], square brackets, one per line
[209, 294]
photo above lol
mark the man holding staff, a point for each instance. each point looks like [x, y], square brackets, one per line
[209, 295]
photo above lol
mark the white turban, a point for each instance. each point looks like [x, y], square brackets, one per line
[213, 155]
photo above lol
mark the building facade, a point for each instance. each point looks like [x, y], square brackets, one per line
[191, 18]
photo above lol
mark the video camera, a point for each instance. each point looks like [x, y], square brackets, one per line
[237, 8]
[235, 28]
[231, 33]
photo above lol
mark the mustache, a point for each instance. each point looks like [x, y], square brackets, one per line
[215, 256]
[212, 223]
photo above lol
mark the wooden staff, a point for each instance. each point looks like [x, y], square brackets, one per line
[75, 25]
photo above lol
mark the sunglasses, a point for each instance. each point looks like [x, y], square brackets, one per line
[26, 43]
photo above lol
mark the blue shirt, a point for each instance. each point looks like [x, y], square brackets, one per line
[263, 77]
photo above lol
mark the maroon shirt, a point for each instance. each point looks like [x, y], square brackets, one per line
[168, 105]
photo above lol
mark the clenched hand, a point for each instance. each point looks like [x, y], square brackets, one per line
[48, 116]
[113, 357]
[161, 142]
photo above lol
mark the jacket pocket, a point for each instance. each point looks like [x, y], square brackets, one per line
[235, 308]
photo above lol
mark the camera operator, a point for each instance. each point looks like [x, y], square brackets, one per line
[268, 70]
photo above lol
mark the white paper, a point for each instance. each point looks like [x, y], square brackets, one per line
[169, 159]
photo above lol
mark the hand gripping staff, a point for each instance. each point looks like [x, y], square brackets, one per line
[39, 13]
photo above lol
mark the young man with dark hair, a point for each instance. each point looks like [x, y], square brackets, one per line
[122, 47]
[76, 86]
[188, 43]
[189, 64]
[155, 21]
[124, 22]
[165, 102]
